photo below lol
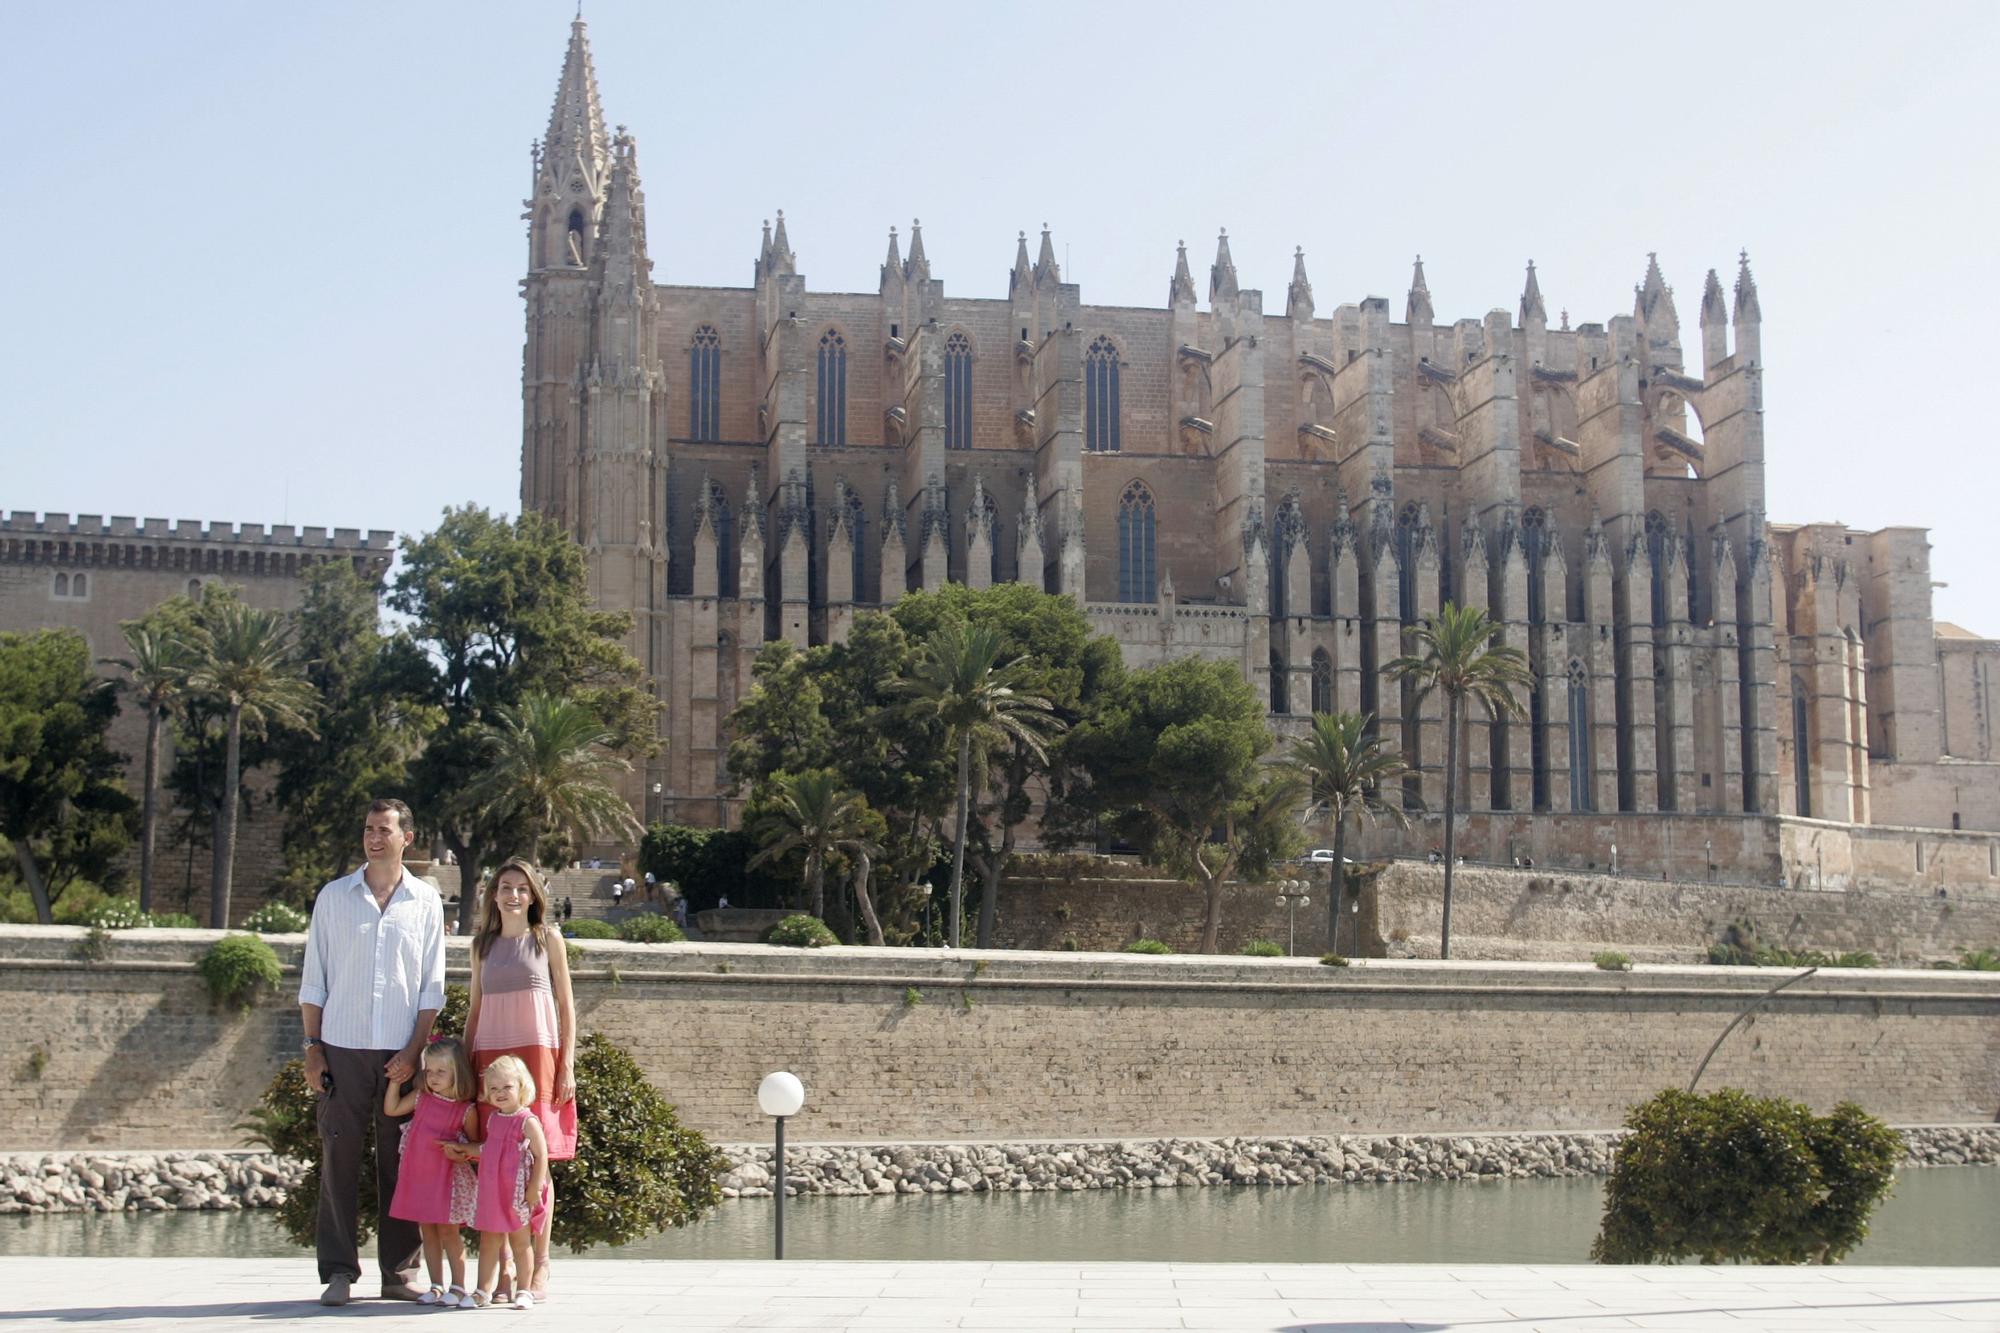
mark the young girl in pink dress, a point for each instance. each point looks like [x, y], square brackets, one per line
[522, 1006]
[432, 1189]
[514, 1196]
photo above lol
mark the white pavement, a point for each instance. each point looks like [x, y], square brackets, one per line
[605, 1296]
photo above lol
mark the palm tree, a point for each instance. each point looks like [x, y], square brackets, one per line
[244, 660]
[958, 679]
[1457, 657]
[812, 812]
[550, 770]
[1344, 770]
[158, 668]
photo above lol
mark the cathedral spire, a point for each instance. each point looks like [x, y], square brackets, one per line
[625, 270]
[1714, 309]
[1222, 273]
[1417, 310]
[1180, 291]
[918, 269]
[1045, 262]
[574, 146]
[1299, 296]
[1024, 272]
[1531, 299]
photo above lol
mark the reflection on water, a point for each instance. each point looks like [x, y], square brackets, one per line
[1937, 1217]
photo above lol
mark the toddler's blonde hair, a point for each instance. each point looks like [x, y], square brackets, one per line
[451, 1051]
[511, 1067]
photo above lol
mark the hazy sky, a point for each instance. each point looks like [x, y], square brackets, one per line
[262, 258]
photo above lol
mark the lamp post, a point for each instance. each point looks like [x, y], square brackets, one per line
[1292, 895]
[780, 1095]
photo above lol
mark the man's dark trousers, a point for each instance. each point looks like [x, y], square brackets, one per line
[359, 1086]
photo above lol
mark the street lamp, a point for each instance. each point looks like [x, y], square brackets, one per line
[780, 1095]
[1292, 895]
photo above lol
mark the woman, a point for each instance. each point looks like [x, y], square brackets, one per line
[522, 1006]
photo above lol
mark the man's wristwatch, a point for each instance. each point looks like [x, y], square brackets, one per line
[311, 1042]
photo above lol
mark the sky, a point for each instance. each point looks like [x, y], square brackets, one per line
[264, 258]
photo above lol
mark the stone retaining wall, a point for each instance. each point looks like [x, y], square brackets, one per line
[896, 1045]
[166, 1182]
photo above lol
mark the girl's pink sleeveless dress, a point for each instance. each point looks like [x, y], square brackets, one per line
[517, 1017]
[430, 1187]
[505, 1164]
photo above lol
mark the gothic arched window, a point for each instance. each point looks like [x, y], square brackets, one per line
[1579, 738]
[958, 392]
[857, 532]
[1281, 695]
[705, 385]
[1406, 561]
[832, 385]
[62, 585]
[1135, 544]
[1322, 682]
[1100, 398]
[80, 587]
[725, 537]
[1801, 748]
[1656, 556]
[1534, 545]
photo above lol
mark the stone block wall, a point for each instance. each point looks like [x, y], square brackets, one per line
[1558, 916]
[1027, 1046]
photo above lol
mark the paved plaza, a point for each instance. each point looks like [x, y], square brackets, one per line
[607, 1296]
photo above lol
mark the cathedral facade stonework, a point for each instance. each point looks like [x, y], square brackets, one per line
[1285, 489]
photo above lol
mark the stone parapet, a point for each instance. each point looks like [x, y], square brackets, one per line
[901, 1044]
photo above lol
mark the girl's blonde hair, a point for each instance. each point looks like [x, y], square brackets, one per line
[511, 1067]
[538, 906]
[451, 1051]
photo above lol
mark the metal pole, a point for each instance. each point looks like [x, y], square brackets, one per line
[1291, 926]
[778, 1192]
[1748, 1009]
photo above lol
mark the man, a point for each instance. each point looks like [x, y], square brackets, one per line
[371, 984]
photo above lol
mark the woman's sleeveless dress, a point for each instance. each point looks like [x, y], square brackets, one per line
[430, 1187]
[506, 1163]
[517, 1017]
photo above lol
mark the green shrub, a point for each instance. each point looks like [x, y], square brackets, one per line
[1729, 1176]
[1263, 949]
[235, 966]
[590, 928]
[1741, 947]
[118, 914]
[637, 1171]
[1147, 946]
[278, 919]
[1980, 960]
[79, 902]
[1612, 961]
[912, 997]
[799, 931]
[650, 928]
[1332, 960]
[178, 921]
[95, 947]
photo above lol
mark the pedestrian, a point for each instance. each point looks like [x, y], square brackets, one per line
[370, 985]
[681, 910]
[569, 908]
[618, 893]
[651, 886]
[523, 1009]
[514, 1197]
[435, 1187]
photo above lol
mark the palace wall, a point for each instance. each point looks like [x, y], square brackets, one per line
[134, 1055]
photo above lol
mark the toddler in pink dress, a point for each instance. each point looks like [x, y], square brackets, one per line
[432, 1189]
[514, 1190]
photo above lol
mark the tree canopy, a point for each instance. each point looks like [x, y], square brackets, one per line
[63, 807]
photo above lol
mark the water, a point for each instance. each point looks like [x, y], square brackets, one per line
[1948, 1216]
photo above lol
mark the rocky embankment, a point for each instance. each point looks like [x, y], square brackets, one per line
[164, 1182]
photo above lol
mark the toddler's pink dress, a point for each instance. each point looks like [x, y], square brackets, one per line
[506, 1163]
[430, 1187]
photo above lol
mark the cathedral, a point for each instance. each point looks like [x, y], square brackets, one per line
[1281, 486]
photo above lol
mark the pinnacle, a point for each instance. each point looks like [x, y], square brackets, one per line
[1714, 309]
[1531, 299]
[1418, 308]
[1045, 262]
[919, 266]
[1222, 274]
[1181, 289]
[1299, 296]
[1746, 291]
